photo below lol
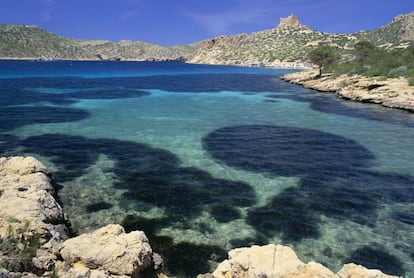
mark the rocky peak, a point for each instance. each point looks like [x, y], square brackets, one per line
[290, 21]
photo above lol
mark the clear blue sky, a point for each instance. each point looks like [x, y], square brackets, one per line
[175, 22]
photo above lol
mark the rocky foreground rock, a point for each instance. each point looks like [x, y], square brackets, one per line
[34, 235]
[34, 240]
[279, 261]
[392, 92]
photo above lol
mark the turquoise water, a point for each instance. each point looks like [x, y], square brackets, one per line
[208, 158]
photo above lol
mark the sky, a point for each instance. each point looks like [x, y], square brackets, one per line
[178, 22]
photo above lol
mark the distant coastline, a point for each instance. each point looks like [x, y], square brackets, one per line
[284, 46]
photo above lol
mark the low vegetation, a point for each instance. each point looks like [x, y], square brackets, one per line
[368, 60]
[19, 247]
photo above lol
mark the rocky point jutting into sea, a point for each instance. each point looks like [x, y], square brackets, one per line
[392, 92]
[36, 242]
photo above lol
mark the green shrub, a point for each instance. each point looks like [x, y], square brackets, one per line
[374, 61]
[19, 247]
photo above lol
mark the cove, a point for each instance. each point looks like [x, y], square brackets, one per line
[208, 158]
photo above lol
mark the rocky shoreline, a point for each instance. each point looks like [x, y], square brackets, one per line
[35, 240]
[392, 92]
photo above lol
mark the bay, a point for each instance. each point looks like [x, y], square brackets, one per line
[209, 158]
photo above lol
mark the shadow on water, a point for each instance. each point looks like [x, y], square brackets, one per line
[153, 178]
[335, 181]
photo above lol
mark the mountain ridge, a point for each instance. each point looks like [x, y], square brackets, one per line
[289, 41]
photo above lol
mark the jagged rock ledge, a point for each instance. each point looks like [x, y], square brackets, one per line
[392, 92]
[34, 236]
[35, 242]
[279, 261]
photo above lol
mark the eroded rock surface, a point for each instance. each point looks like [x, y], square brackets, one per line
[279, 261]
[34, 236]
[109, 249]
[392, 92]
[30, 216]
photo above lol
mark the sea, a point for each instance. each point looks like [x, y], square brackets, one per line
[208, 158]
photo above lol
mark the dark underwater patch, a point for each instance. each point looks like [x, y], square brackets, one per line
[98, 206]
[182, 259]
[406, 217]
[376, 257]
[334, 181]
[14, 117]
[329, 103]
[285, 151]
[224, 213]
[286, 216]
[152, 177]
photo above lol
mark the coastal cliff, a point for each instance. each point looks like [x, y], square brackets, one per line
[392, 92]
[35, 240]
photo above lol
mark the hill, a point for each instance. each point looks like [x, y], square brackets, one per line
[32, 42]
[289, 41]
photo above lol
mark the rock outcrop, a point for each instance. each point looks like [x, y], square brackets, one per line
[279, 261]
[34, 235]
[25, 184]
[108, 250]
[392, 92]
[30, 216]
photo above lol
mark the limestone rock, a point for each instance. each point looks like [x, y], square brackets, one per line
[392, 92]
[279, 261]
[80, 270]
[26, 200]
[7, 274]
[358, 271]
[111, 250]
[19, 165]
[268, 261]
[29, 213]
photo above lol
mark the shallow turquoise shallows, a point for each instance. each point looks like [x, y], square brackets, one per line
[208, 158]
